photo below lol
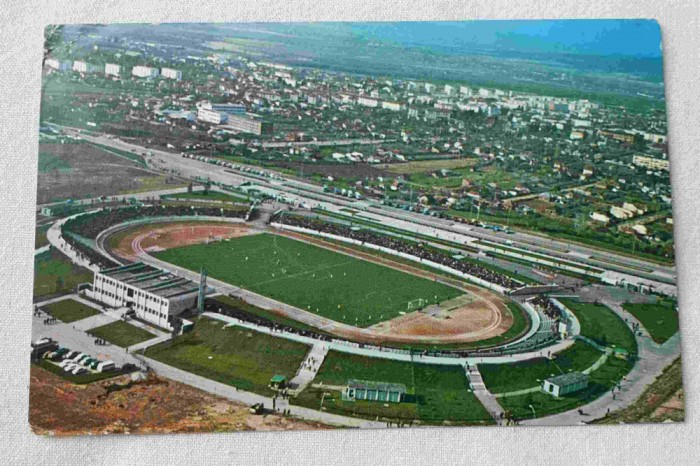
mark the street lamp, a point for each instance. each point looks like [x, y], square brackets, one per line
[533, 412]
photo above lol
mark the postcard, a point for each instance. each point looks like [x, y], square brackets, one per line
[285, 226]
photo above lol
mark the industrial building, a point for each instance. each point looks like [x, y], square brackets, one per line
[170, 73]
[153, 294]
[144, 72]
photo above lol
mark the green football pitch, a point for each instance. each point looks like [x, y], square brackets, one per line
[324, 282]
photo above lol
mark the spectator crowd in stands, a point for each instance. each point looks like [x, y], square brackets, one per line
[414, 249]
[231, 310]
[547, 307]
[90, 225]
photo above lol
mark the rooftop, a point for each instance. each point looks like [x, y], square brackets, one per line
[570, 378]
[372, 385]
[152, 279]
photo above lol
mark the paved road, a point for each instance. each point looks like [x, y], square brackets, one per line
[461, 233]
[69, 336]
[249, 398]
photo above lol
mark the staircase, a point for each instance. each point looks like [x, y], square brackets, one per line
[476, 383]
[308, 368]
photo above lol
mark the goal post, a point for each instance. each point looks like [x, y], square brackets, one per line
[417, 303]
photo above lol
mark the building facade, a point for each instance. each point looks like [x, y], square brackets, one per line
[112, 70]
[564, 384]
[83, 67]
[60, 65]
[650, 163]
[245, 124]
[230, 109]
[364, 390]
[154, 295]
[212, 116]
[170, 73]
[144, 72]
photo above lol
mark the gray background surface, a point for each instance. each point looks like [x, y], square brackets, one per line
[20, 79]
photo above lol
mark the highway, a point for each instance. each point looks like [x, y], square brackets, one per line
[568, 256]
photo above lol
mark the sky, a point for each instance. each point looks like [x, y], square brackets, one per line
[637, 38]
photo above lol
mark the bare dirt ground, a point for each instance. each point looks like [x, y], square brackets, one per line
[153, 406]
[160, 236]
[94, 173]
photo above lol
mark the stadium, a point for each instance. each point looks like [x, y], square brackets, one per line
[340, 316]
[345, 292]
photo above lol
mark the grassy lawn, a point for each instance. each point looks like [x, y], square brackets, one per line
[436, 394]
[667, 390]
[235, 356]
[504, 378]
[330, 284]
[40, 239]
[443, 395]
[660, 318]
[69, 310]
[601, 381]
[121, 333]
[55, 274]
[601, 324]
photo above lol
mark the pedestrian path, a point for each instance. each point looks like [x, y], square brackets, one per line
[309, 368]
[148, 343]
[652, 360]
[42, 249]
[54, 236]
[482, 394]
[67, 335]
[233, 393]
[93, 321]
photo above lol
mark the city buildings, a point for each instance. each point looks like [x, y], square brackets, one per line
[650, 163]
[83, 67]
[170, 73]
[144, 72]
[246, 124]
[112, 70]
[60, 65]
[212, 116]
[230, 109]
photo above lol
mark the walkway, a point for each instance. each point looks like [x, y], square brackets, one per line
[346, 347]
[482, 394]
[652, 360]
[232, 393]
[309, 367]
[69, 336]
[54, 236]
